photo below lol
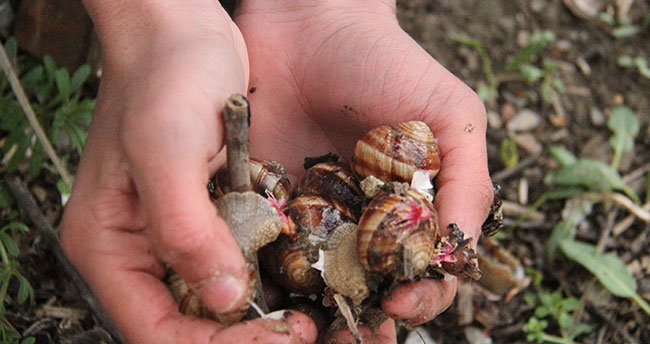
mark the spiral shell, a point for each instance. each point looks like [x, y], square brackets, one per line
[265, 175]
[290, 265]
[394, 153]
[397, 233]
[333, 181]
[317, 216]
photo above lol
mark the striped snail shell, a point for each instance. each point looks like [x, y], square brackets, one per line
[397, 233]
[265, 175]
[290, 259]
[394, 153]
[334, 181]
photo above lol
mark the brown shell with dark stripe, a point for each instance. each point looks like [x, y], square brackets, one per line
[394, 237]
[289, 260]
[265, 175]
[333, 181]
[394, 153]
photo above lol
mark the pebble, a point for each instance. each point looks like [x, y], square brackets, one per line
[494, 120]
[524, 120]
[596, 116]
[414, 338]
[475, 335]
[529, 143]
[507, 111]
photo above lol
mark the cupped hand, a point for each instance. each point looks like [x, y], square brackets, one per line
[325, 72]
[139, 202]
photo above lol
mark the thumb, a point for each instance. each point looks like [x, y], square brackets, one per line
[184, 227]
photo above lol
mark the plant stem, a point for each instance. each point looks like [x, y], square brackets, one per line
[7, 278]
[12, 76]
[641, 302]
[555, 339]
[236, 118]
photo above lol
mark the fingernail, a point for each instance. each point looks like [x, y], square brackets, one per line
[223, 293]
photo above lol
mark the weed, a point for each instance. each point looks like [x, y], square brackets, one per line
[639, 62]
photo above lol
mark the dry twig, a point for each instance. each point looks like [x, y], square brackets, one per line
[12, 76]
[49, 235]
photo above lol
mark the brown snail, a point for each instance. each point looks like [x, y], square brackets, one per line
[397, 233]
[265, 175]
[334, 181]
[394, 153]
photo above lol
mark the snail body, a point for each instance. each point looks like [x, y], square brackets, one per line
[394, 153]
[397, 233]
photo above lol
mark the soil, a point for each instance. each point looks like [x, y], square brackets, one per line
[586, 54]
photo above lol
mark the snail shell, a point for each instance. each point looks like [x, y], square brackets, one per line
[342, 269]
[333, 181]
[265, 175]
[290, 265]
[394, 153]
[397, 232]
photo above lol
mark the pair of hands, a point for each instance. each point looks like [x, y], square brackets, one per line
[325, 72]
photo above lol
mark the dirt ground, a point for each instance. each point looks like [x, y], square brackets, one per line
[585, 54]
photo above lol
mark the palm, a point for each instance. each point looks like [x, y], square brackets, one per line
[319, 87]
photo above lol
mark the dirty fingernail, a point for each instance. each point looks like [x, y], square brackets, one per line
[222, 294]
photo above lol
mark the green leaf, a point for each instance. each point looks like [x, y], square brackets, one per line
[565, 320]
[608, 268]
[625, 31]
[50, 67]
[625, 61]
[509, 153]
[642, 66]
[530, 72]
[6, 199]
[62, 79]
[592, 174]
[79, 77]
[16, 226]
[9, 242]
[484, 92]
[562, 156]
[62, 187]
[25, 290]
[562, 231]
[536, 44]
[11, 46]
[625, 125]
[28, 340]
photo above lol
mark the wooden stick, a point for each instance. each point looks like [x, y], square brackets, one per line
[236, 118]
[12, 76]
[49, 235]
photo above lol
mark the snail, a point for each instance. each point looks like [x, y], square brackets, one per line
[265, 175]
[289, 259]
[397, 233]
[335, 181]
[394, 153]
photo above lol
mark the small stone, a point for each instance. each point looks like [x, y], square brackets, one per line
[507, 111]
[525, 120]
[475, 335]
[557, 120]
[522, 191]
[423, 338]
[39, 193]
[585, 9]
[494, 120]
[523, 37]
[618, 99]
[596, 116]
[529, 143]
[537, 5]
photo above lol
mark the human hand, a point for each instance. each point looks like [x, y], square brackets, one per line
[325, 72]
[139, 202]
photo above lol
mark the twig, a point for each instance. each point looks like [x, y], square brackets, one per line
[623, 201]
[605, 234]
[509, 172]
[12, 76]
[513, 209]
[236, 117]
[627, 222]
[636, 174]
[28, 204]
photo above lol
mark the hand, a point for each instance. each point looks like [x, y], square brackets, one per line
[325, 72]
[139, 202]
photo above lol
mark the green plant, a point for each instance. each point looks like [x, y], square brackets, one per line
[639, 62]
[621, 26]
[519, 63]
[553, 306]
[61, 110]
[9, 271]
[508, 153]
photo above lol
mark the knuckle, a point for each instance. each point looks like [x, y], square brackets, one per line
[180, 235]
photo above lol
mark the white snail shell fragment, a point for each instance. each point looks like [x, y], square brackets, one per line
[394, 153]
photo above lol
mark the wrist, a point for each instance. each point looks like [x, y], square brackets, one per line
[128, 29]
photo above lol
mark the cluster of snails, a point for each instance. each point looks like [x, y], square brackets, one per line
[346, 234]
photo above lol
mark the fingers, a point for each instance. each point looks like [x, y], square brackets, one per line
[385, 334]
[168, 153]
[420, 301]
[464, 189]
